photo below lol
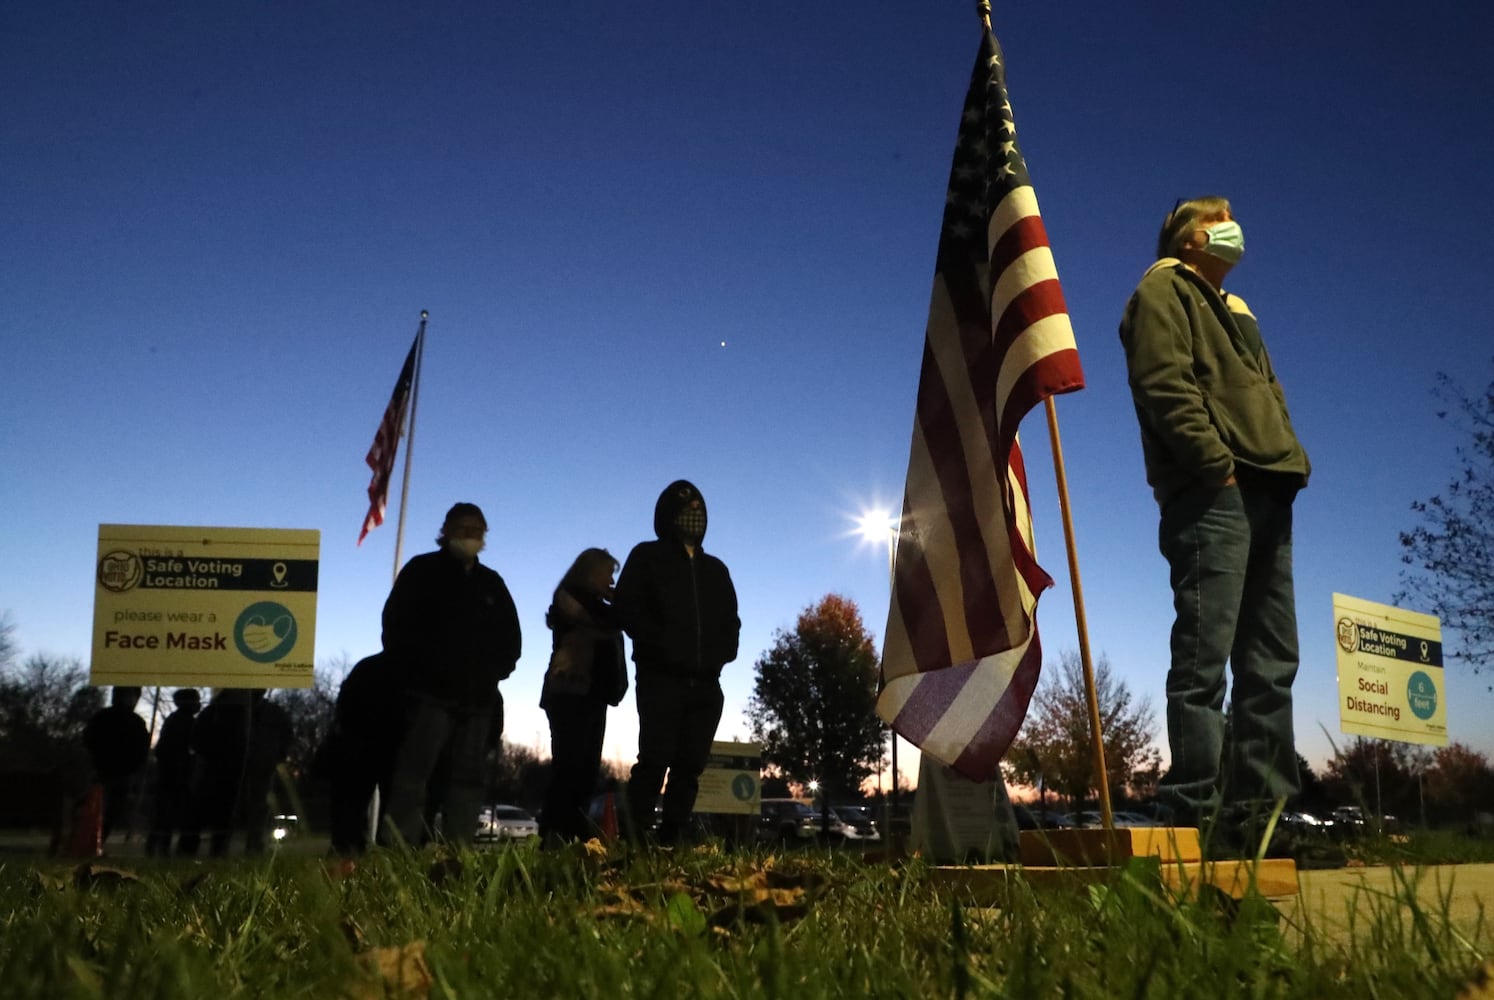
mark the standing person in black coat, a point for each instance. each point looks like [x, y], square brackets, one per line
[451, 629]
[678, 605]
[586, 675]
[239, 740]
[118, 743]
[220, 740]
[359, 753]
[173, 771]
[270, 736]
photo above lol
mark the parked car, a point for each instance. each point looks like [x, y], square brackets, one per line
[283, 826]
[1120, 818]
[506, 823]
[856, 823]
[1303, 822]
[788, 821]
[1030, 818]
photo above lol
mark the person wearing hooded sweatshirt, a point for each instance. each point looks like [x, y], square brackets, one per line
[678, 605]
[1225, 466]
[452, 633]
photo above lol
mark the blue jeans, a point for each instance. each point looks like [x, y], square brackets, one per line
[431, 728]
[1230, 553]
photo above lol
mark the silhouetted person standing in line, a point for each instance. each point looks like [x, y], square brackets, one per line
[587, 674]
[678, 605]
[173, 771]
[367, 726]
[270, 736]
[451, 630]
[118, 744]
[238, 740]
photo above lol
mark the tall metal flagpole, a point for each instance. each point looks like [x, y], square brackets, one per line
[983, 8]
[404, 486]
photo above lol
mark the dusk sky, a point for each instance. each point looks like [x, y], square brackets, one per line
[678, 240]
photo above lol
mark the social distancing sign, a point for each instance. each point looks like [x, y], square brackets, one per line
[1389, 672]
[204, 607]
[732, 779]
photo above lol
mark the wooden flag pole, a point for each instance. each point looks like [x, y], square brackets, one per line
[404, 486]
[1090, 694]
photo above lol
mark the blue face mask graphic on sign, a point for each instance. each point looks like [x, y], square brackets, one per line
[265, 632]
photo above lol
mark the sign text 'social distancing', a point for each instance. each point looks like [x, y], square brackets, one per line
[1389, 672]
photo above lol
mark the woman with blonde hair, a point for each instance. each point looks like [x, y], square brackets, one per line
[587, 673]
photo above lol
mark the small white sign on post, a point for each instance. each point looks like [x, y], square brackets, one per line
[732, 780]
[955, 818]
[1389, 672]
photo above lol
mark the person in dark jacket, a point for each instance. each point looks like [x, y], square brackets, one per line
[271, 734]
[1225, 466]
[173, 771]
[238, 740]
[586, 675]
[118, 743]
[678, 605]
[452, 631]
[359, 753]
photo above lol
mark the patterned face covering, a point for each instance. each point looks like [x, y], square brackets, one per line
[690, 522]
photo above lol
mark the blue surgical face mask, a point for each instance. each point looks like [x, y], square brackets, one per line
[1226, 241]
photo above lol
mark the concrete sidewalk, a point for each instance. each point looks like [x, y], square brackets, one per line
[1335, 903]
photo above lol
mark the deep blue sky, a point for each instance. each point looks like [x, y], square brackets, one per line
[223, 220]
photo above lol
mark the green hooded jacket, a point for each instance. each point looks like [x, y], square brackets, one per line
[1206, 397]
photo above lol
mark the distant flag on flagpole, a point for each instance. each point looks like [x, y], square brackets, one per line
[385, 445]
[962, 655]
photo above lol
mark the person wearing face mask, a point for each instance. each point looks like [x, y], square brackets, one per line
[452, 633]
[678, 605]
[1225, 466]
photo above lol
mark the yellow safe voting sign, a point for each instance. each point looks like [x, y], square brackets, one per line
[1389, 672]
[204, 607]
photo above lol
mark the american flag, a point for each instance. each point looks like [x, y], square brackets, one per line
[385, 445]
[962, 655]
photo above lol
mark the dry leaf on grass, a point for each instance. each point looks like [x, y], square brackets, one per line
[617, 903]
[401, 972]
[50, 883]
[87, 876]
[1481, 985]
[733, 885]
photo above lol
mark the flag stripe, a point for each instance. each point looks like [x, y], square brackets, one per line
[953, 439]
[962, 654]
[983, 751]
[381, 453]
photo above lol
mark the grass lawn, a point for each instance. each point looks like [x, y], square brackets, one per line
[516, 922]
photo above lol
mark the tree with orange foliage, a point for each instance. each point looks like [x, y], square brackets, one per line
[813, 705]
